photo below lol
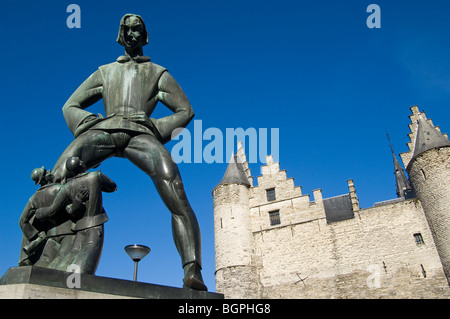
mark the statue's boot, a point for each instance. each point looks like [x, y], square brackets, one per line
[193, 277]
[35, 245]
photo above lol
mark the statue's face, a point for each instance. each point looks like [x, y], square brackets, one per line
[133, 32]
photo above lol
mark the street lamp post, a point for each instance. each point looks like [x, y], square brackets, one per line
[136, 253]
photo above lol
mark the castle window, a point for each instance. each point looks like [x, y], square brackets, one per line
[274, 217]
[419, 239]
[424, 273]
[423, 173]
[270, 194]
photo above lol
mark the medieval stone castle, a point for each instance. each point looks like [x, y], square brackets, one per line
[272, 241]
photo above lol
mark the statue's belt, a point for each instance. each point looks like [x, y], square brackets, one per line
[138, 117]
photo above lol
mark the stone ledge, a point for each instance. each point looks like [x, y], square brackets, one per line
[43, 283]
[32, 291]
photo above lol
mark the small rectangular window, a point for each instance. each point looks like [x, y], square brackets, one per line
[270, 194]
[274, 217]
[423, 173]
[419, 239]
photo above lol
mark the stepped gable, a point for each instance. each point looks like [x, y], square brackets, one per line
[415, 118]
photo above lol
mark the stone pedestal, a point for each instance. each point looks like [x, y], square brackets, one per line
[41, 283]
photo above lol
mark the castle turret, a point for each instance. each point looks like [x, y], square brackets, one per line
[429, 174]
[401, 181]
[236, 276]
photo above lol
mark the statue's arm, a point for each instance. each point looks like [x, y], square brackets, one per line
[89, 92]
[24, 222]
[108, 185]
[59, 203]
[78, 204]
[172, 96]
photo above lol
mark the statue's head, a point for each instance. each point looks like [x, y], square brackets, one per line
[132, 31]
[37, 175]
[75, 166]
[41, 176]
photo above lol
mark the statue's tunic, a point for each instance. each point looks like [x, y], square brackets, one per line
[129, 90]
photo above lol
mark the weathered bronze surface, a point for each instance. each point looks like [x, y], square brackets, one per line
[130, 88]
[63, 223]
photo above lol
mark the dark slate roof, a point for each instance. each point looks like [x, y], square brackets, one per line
[389, 201]
[338, 208]
[427, 138]
[235, 173]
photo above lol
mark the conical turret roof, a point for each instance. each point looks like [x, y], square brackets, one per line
[427, 138]
[403, 186]
[235, 173]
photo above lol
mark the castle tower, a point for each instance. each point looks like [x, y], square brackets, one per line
[401, 181]
[236, 275]
[429, 172]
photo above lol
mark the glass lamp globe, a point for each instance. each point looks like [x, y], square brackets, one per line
[137, 252]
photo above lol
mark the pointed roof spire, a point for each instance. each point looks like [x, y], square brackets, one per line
[235, 173]
[427, 138]
[403, 186]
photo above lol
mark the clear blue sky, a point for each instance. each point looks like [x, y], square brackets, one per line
[313, 69]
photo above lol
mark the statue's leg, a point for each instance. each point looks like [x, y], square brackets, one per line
[28, 260]
[65, 242]
[49, 253]
[92, 147]
[68, 257]
[147, 153]
[87, 249]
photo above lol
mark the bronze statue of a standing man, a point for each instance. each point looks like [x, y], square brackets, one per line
[131, 87]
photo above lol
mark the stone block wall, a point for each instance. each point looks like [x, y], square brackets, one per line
[385, 251]
[430, 177]
[374, 255]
